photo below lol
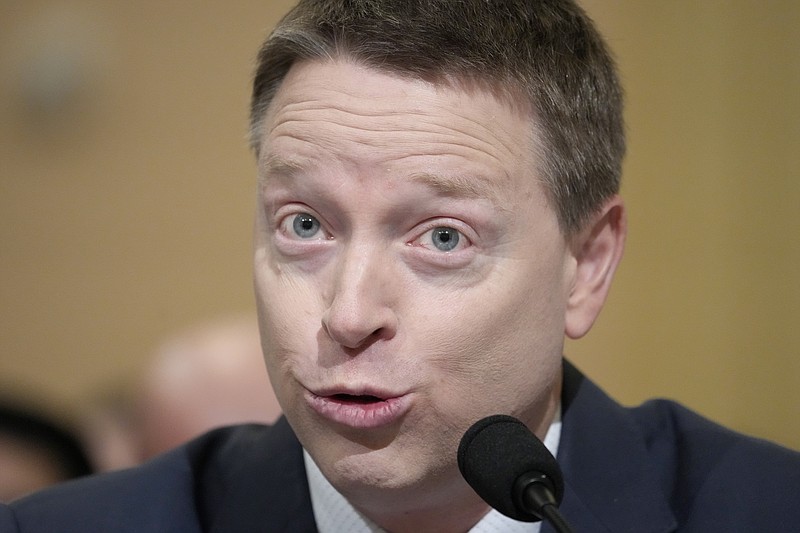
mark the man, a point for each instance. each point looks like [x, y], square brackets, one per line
[437, 209]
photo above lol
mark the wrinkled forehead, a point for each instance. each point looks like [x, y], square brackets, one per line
[359, 108]
[509, 91]
[385, 100]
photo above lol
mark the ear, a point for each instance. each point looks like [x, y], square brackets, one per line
[597, 251]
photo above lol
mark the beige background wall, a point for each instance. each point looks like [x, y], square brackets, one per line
[125, 203]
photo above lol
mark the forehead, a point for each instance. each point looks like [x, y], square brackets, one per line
[384, 98]
[351, 113]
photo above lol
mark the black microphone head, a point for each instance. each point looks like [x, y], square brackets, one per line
[492, 456]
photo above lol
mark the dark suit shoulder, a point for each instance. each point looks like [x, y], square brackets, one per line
[157, 496]
[718, 478]
[255, 482]
[662, 468]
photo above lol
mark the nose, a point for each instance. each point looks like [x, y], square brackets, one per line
[359, 310]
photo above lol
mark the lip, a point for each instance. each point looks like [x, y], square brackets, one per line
[359, 410]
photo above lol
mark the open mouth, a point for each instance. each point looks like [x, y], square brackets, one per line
[356, 399]
[362, 411]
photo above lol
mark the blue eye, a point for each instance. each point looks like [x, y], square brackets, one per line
[444, 239]
[305, 226]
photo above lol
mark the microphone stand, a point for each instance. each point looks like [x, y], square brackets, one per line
[534, 494]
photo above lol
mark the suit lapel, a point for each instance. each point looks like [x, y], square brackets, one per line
[257, 483]
[610, 482]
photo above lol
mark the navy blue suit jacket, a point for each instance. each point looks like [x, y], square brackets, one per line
[654, 468]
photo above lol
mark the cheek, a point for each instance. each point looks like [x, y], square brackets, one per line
[287, 321]
[501, 346]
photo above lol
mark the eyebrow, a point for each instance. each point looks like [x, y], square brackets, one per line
[275, 165]
[460, 186]
[455, 186]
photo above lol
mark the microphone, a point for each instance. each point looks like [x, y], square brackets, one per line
[512, 470]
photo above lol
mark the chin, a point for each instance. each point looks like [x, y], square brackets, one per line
[353, 467]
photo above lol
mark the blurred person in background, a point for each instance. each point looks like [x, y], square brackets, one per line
[36, 451]
[208, 375]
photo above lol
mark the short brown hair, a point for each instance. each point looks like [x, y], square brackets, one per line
[546, 50]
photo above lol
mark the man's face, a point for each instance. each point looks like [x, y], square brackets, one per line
[410, 273]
